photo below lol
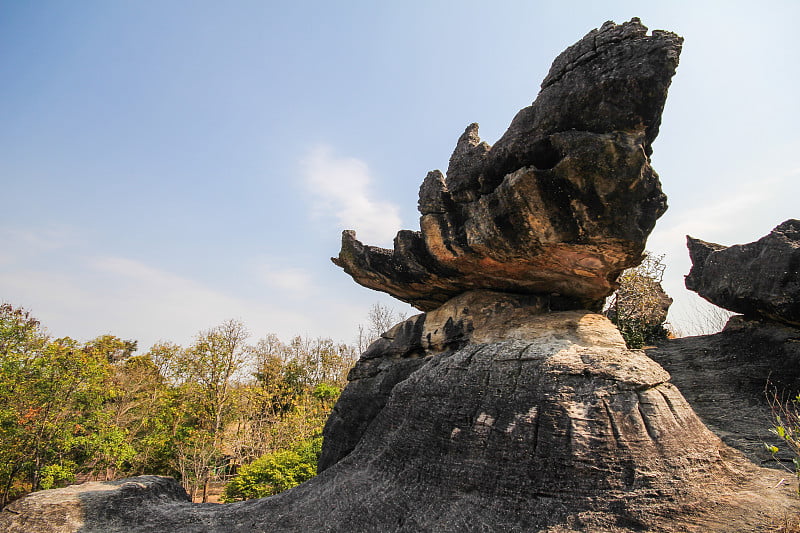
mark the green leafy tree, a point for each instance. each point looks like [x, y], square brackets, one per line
[71, 410]
[144, 405]
[54, 393]
[275, 472]
[53, 424]
[203, 382]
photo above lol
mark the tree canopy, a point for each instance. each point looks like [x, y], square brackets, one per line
[73, 411]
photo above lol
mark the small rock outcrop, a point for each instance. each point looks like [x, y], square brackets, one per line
[115, 505]
[760, 279]
[560, 205]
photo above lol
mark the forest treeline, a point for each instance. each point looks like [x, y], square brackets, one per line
[219, 410]
[74, 411]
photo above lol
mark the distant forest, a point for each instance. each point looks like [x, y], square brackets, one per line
[75, 411]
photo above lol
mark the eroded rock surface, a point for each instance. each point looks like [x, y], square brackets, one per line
[513, 419]
[114, 504]
[561, 204]
[726, 378]
[759, 279]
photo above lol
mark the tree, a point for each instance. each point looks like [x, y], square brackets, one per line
[275, 472]
[380, 319]
[144, 406]
[112, 348]
[53, 424]
[20, 333]
[95, 410]
[292, 391]
[208, 369]
[639, 306]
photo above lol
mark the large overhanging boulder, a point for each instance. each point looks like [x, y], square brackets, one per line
[760, 279]
[560, 205]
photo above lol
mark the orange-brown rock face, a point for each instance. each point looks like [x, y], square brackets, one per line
[560, 205]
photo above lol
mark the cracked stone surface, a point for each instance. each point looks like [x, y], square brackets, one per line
[560, 205]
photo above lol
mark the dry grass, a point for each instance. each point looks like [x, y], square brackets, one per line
[791, 524]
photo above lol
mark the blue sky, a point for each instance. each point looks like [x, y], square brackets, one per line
[165, 166]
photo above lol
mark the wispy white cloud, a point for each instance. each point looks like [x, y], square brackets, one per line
[291, 281]
[20, 243]
[85, 296]
[75, 291]
[341, 188]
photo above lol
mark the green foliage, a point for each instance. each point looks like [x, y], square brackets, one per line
[53, 392]
[275, 472]
[72, 410]
[786, 426]
[639, 306]
[53, 475]
[638, 334]
[325, 392]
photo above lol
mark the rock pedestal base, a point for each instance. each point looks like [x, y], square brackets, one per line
[490, 414]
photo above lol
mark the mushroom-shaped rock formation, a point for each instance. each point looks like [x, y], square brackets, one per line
[560, 205]
[490, 412]
[760, 279]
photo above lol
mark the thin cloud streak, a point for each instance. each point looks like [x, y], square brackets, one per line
[291, 281]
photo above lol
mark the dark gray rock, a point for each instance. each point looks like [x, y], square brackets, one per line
[759, 279]
[726, 378]
[114, 504]
[561, 204]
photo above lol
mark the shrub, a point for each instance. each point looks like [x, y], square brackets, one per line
[786, 425]
[639, 306]
[275, 472]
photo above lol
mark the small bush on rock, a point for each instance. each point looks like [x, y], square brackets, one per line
[639, 307]
[786, 425]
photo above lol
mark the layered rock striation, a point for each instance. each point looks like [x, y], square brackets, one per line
[728, 378]
[760, 279]
[560, 205]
